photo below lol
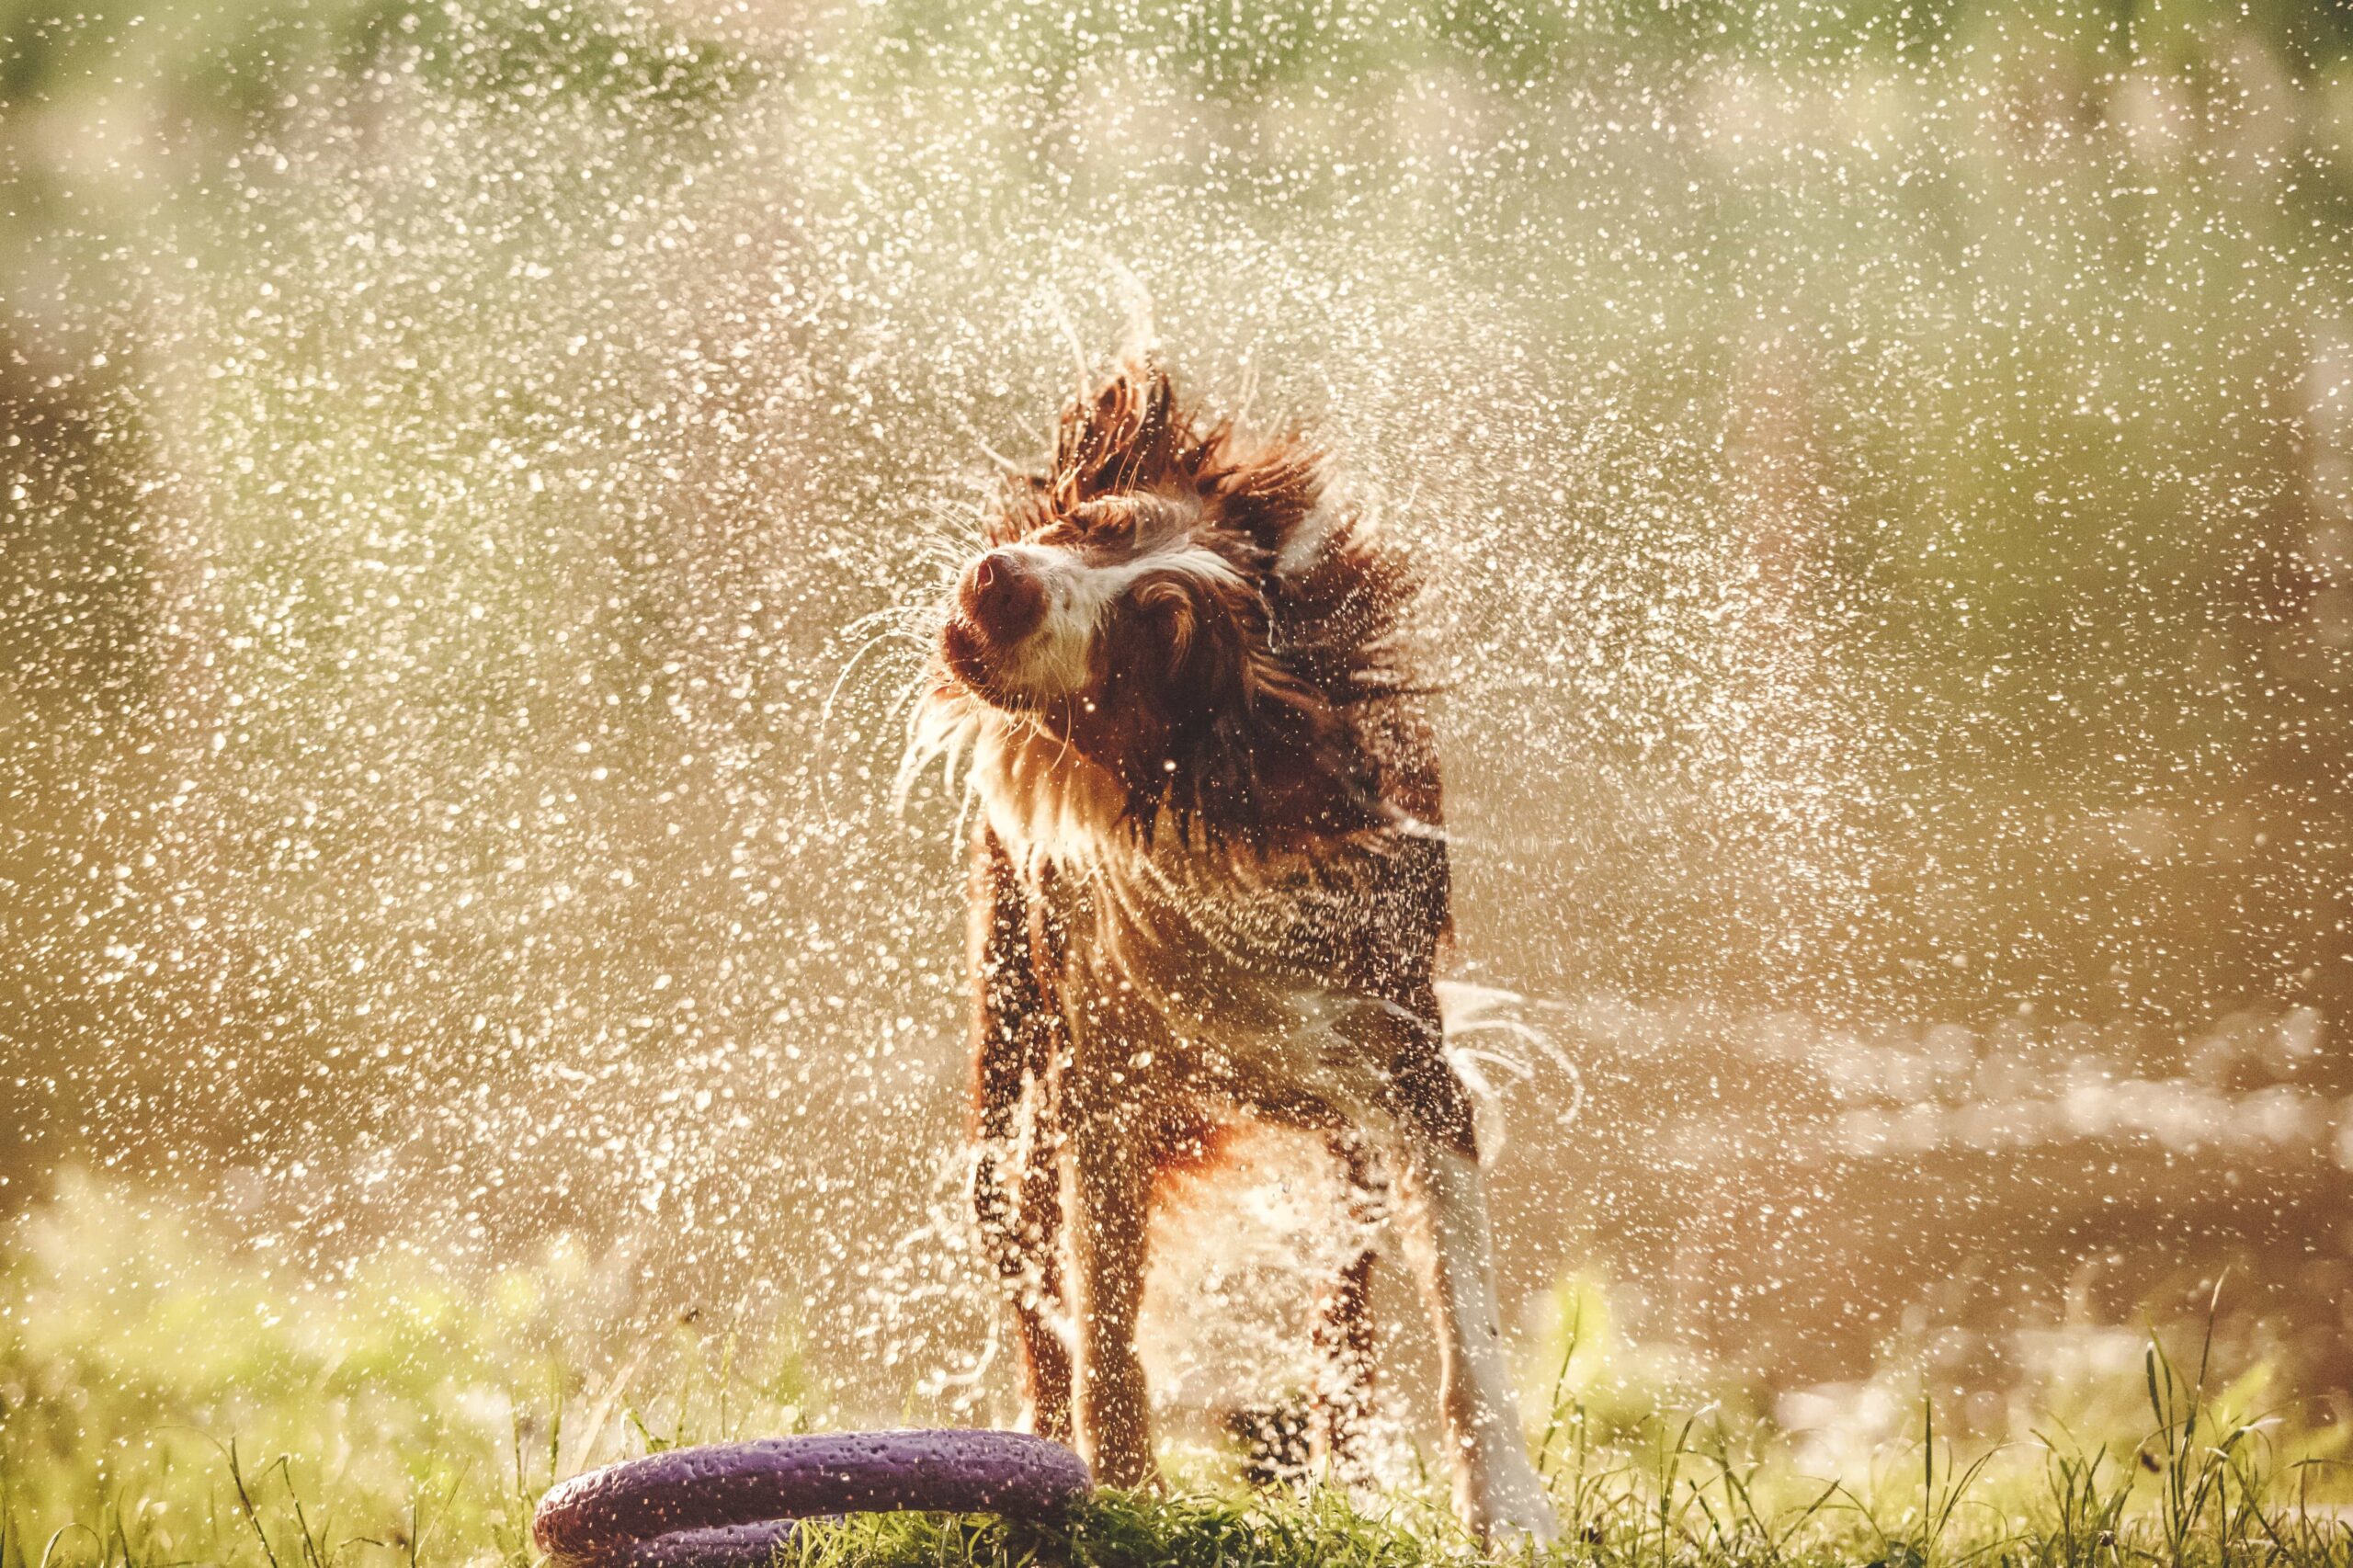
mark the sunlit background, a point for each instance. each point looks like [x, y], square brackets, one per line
[1887, 476]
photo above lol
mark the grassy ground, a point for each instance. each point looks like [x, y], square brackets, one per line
[171, 1394]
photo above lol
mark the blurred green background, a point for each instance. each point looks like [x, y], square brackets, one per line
[1887, 476]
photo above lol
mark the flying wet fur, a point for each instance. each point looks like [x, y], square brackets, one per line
[1208, 886]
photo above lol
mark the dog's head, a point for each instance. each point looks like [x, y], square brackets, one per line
[1177, 605]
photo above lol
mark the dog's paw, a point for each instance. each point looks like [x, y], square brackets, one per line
[1516, 1535]
[1504, 1505]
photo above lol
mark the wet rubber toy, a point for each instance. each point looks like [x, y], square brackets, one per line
[728, 1506]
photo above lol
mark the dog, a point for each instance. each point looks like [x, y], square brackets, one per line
[1207, 885]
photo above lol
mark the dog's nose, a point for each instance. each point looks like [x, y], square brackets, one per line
[1001, 596]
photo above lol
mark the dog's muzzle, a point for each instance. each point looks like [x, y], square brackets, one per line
[1002, 596]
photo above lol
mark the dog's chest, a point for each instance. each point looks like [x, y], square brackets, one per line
[1233, 982]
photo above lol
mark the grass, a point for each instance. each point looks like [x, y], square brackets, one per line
[170, 1395]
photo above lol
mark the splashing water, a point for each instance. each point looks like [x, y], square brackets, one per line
[479, 474]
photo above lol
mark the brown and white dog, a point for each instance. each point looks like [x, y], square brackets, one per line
[1207, 885]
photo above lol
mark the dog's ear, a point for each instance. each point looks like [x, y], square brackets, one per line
[1170, 611]
[1266, 490]
[1197, 649]
[1125, 437]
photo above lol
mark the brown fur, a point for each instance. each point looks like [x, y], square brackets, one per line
[1208, 883]
[1261, 730]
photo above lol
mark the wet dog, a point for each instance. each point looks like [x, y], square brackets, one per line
[1207, 885]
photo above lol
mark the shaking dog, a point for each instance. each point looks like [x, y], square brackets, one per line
[1208, 886]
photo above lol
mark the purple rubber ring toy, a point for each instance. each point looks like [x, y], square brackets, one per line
[731, 1504]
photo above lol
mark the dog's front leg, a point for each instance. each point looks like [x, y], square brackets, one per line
[1107, 1212]
[1013, 944]
[1496, 1490]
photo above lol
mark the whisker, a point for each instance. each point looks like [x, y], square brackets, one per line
[971, 514]
[931, 527]
[857, 627]
[901, 619]
[944, 551]
[825, 713]
[957, 534]
[945, 559]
